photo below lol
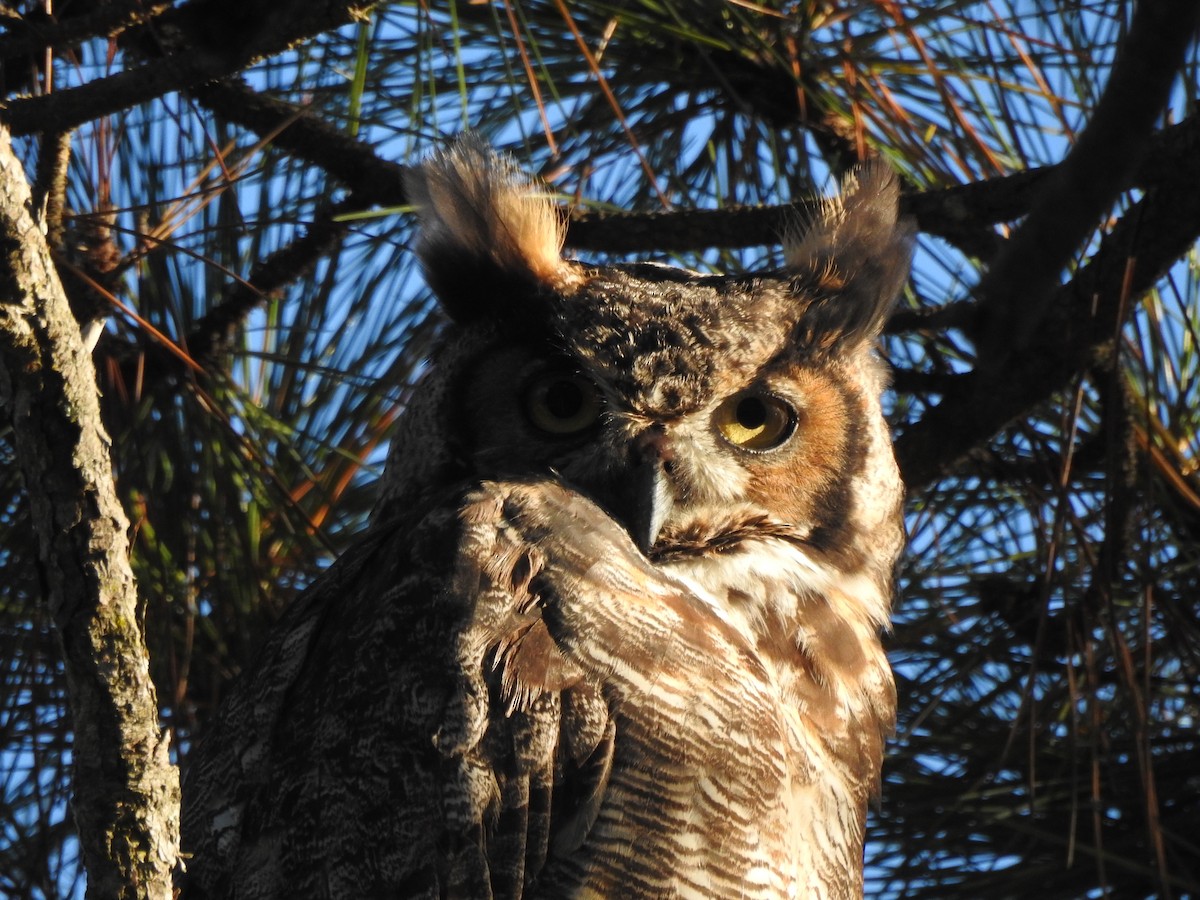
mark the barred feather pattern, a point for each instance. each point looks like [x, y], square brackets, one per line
[645, 750]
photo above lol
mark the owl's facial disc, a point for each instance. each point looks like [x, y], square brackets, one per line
[654, 475]
[530, 411]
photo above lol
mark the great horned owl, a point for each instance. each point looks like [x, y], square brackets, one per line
[614, 631]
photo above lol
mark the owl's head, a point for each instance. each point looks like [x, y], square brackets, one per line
[699, 410]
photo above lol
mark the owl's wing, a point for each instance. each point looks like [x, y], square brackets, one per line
[376, 748]
[439, 715]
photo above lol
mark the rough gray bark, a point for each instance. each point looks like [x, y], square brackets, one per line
[126, 792]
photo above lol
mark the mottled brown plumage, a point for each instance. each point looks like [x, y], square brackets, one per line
[615, 629]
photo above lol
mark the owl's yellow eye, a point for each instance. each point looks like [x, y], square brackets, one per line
[754, 420]
[562, 403]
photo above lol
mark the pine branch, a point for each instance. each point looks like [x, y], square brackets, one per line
[204, 31]
[1083, 316]
[306, 136]
[1086, 184]
[958, 214]
[214, 332]
[31, 36]
[955, 214]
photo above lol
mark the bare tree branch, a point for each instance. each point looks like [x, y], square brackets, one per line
[213, 333]
[947, 213]
[30, 36]
[1083, 317]
[956, 213]
[209, 53]
[306, 136]
[1087, 182]
[126, 792]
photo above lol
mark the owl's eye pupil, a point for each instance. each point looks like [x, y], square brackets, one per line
[751, 413]
[564, 399]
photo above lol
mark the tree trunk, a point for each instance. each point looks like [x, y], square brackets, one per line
[126, 792]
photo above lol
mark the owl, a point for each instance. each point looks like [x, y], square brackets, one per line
[614, 630]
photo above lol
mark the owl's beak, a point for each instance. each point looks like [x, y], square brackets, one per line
[648, 494]
[652, 501]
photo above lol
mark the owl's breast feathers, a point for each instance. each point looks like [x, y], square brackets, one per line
[505, 698]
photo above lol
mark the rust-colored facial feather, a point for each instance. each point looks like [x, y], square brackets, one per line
[794, 479]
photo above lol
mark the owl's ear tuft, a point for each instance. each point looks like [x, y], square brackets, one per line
[488, 233]
[853, 256]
